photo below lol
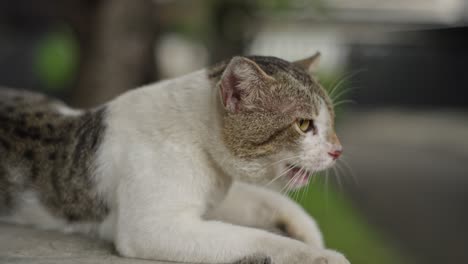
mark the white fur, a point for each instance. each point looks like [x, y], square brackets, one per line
[30, 211]
[65, 110]
[254, 206]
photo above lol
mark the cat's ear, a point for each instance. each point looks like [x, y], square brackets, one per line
[310, 64]
[242, 80]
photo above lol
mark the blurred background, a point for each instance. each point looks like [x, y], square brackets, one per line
[398, 68]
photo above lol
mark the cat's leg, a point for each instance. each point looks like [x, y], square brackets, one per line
[160, 217]
[193, 240]
[258, 207]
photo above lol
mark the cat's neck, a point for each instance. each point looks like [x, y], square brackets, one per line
[187, 108]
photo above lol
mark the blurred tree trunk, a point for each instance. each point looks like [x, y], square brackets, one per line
[234, 25]
[117, 54]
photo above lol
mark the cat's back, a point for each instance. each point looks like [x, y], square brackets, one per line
[12, 100]
[47, 151]
[30, 120]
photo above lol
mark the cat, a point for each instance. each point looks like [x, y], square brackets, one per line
[186, 170]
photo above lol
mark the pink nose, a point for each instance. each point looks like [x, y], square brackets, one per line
[335, 154]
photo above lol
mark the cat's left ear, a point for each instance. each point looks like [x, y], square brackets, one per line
[242, 82]
[310, 64]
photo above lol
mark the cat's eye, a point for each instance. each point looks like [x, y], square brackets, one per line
[305, 125]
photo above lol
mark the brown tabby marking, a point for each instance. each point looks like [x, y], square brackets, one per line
[49, 153]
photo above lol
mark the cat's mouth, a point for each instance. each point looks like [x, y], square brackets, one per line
[298, 176]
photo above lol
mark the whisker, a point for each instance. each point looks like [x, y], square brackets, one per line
[340, 170]
[348, 154]
[276, 162]
[303, 189]
[296, 178]
[340, 94]
[326, 191]
[266, 166]
[350, 170]
[308, 184]
[337, 177]
[290, 167]
[333, 85]
[286, 186]
[302, 177]
[348, 101]
[290, 185]
[343, 79]
[338, 83]
[314, 176]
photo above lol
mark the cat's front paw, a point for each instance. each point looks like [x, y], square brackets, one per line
[331, 257]
[317, 257]
[301, 228]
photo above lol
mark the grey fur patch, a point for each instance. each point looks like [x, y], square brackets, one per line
[51, 154]
[255, 259]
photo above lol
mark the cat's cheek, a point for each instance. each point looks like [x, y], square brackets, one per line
[311, 151]
[318, 158]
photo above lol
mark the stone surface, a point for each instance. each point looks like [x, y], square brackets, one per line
[22, 245]
[412, 172]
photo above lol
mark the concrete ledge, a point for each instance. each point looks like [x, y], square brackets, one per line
[21, 245]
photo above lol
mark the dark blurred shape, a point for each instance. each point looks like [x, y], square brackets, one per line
[425, 68]
[118, 54]
[234, 26]
[25, 25]
[115, 42]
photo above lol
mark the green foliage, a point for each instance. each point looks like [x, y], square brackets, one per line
[344, 229]
[56, 59]
[339, 89]
[279, 6]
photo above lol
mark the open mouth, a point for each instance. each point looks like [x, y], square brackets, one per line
[298, 176]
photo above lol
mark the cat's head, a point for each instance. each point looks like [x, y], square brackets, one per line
[278, 120]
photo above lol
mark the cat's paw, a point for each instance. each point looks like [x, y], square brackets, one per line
[301, 228]
[330, 257]
[324, 256]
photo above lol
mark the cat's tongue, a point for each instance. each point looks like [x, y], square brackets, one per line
[299, 177]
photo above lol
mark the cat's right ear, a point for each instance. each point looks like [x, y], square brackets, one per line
[241, 81]
[310, 64]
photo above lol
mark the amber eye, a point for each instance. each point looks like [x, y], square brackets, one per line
[305, 125]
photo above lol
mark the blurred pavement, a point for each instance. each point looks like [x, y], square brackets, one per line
[20, 245]
[412, 171]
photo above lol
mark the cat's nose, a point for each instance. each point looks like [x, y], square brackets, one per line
[337, 148]
[335, 154]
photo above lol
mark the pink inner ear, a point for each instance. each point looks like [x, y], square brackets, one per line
[230, 91]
